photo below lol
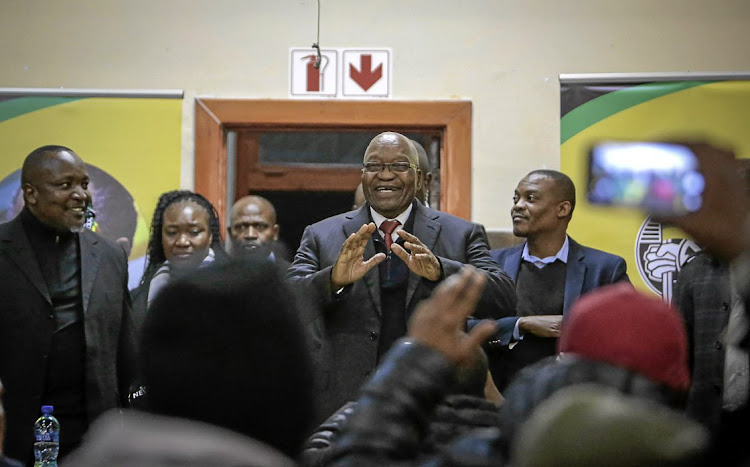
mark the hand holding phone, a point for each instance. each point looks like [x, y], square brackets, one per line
[661, 178]
[722, 224]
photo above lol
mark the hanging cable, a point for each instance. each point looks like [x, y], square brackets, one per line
[316, 45]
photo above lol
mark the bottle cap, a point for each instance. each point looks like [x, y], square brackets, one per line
[47, 409]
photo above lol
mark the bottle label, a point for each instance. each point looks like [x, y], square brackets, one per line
[50, 437]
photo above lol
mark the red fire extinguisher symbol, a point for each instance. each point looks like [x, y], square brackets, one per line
[315, 75]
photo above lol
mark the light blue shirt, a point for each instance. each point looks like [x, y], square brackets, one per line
[562, 255]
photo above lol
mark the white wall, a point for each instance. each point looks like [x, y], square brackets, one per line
[504, 55]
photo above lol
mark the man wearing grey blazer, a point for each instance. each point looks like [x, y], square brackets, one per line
[367, 269]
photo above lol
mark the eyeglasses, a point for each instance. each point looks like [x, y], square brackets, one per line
[395, 167]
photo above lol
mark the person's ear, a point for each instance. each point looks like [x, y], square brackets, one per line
[563, 209]
[276, 232]
[418, 180]
[30, 194]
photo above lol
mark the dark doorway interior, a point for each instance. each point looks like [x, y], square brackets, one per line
[295, 210]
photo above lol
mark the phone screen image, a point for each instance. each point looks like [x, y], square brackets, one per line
[662, 178]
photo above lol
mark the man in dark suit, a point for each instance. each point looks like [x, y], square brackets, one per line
[367, 269]
[704, 297]
[65, 324]
[550, 269]
[712, 310]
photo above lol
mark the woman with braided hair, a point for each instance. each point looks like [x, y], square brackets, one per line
[185, 235]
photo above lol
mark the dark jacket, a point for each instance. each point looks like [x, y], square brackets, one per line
[587, 269]
[536, 383]
[703, 296]
[455, 416]
[391, 423]
[26, 328]
[391, 420]
[349, 324]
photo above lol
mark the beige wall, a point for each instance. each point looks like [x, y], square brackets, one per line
[504, 55]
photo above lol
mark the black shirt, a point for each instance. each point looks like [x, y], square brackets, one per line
[58, 256]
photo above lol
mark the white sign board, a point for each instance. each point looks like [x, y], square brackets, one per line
[310, 77]
[340, 72]
[366, 72]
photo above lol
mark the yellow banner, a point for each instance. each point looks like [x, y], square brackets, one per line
[130, 145]
[718, 112]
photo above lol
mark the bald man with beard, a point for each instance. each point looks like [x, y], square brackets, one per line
[65, 322]
[252, 227]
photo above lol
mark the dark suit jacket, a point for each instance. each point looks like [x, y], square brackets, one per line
[27, 325]
[587, 269]
[703, 296]
[349, 324]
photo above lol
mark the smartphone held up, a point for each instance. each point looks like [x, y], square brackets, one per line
[661, 178]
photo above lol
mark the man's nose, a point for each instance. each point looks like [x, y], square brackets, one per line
[386, 173]
[80, 193]
[251, 233]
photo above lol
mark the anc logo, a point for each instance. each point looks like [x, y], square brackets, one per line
[659, 259]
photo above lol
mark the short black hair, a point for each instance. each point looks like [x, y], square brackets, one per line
[564, 184]
[225, 345]
[37, 157]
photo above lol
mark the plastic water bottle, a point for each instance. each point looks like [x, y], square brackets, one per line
[46, 439]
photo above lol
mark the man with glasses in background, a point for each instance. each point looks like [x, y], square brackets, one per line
[367, 269]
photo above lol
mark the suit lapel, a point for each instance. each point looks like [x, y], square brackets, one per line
[574, 275]
[16, 245]
[89, 265]
[372, 278]
[426, 229]
[512, 263]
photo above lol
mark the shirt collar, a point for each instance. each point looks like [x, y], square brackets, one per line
[562, 255]
[378, 219]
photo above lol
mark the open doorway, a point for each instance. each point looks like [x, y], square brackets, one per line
[309, 175]
[222, 179]
[295, 210]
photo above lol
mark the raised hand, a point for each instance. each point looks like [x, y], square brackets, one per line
[439, 321]
[350, 265]
[418, 258]
[719, 225]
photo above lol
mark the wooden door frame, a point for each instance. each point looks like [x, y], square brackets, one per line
[214, 117]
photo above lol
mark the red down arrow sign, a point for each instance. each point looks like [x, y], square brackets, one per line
[365, 77]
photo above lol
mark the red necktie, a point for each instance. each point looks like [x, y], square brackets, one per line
[387, 227]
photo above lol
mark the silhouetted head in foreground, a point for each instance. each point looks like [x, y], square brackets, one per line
[224, 345]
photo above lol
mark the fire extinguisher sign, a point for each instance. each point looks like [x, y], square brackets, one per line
[350, 73]
[312, 75]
